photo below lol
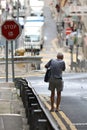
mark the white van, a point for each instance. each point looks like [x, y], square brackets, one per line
[33, 34]
[37, 13]
[34, 19]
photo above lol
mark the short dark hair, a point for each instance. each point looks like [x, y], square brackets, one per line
[60, 56]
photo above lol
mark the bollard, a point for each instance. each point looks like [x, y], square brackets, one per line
[29, 98]
[35, 115]
[22, 88]
[32, 99]
[17, 82]
[24, 92]
[42, 124]
[30, 109]
[35, 106]
[28, 103]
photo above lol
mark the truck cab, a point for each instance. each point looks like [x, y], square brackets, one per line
[33, 34]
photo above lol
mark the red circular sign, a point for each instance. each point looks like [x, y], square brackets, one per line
[10, 29]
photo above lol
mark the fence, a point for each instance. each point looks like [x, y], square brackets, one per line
[37, 116]
[22, 65]
[23, 59]
[80, 66]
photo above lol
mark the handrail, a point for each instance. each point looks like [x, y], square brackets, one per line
[23, 59]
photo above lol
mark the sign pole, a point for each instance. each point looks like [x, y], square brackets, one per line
[6, 61]
[12, 57]
[16, 41]
[11, 30]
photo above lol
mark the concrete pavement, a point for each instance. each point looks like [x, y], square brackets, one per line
[11, 108]
[67, 56]
[10, 102]
[64, 49]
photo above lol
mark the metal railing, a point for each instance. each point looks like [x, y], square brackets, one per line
[38, 117]
[23, 59]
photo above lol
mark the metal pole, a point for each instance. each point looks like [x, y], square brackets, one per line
[18, 11]
[0, 14]
[6, 61]
[16, 41]
[6, 51]
[12, 61]
[71, 51]
[77, 47]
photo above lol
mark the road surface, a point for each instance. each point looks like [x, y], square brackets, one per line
[74, 96]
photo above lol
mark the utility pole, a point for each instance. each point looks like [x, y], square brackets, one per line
[18, 11]
[6, 50]
[16, 41]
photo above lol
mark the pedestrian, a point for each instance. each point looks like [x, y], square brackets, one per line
[57, 8]
[55, 81]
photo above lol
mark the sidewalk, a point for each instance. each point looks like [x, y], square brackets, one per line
[65, 49]
[11, 108]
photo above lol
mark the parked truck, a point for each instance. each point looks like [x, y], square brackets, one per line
[34, 34]
[36, 7]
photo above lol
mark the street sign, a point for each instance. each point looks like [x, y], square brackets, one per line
[68, 31]
[77, 10]
[11, 30]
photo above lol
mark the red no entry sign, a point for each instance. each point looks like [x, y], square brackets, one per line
[11, 30]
